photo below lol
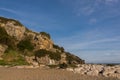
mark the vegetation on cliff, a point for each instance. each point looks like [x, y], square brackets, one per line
[6, 39]
[31, 43]
[53, 55]
[45, 34]
[25, 45]
[5, 20]
[12, 57]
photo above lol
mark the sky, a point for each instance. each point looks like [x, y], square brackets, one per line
[89, 29]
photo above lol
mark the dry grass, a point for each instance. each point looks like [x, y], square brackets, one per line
[43, 74]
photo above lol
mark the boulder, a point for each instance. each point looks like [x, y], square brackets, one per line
[16, 31]
[96, 70]
[93, 73]
[70, 69]
[80, 70]
[108, 70]
[115, 75]
[118, 71]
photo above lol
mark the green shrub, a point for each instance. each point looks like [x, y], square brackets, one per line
[19, 61]
[3, 36]
[111, 64]
[55, 56]
[63, 66]
[42, 52]
[59, 48]
[72, 65]
[72, 58]
[5, 20]
[45, 34]
[25, 45]
[6, 39]
[12, 57]
[2, 62]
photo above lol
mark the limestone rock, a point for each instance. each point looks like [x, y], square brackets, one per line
[14, 31]
[70, 69]
[2, 49]
[39, 41]
[108, 71]
[96, 70]
[31, 60]
[20, 35]
[46, 61]
[63, 58]
[115, 75]
[93, 73]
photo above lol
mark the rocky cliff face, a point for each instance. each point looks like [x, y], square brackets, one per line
[40, 41]
[38, 47]
[19, 32]
[12, 28]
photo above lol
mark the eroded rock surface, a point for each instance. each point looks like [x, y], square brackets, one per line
[96, 70]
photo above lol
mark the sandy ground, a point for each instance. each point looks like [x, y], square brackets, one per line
[43, 74]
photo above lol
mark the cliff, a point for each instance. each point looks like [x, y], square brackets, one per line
[19, 45]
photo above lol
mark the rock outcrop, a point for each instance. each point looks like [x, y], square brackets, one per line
[27, 42]
[2, 50]
[12, 29]
[40, 41]
[97, 70]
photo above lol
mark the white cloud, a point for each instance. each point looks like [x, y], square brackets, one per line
[83, 41]
[87, 10]
[92, 21]
[106, 56]
[9, 10]
[93, 46]
[106, 1]
[83, 45]
[103, 9]
[111, 0]
[83, 9]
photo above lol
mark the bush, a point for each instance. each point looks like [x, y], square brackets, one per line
[111, 64]
[63, 66]
[25, 45]
[5, 20]
[59, 48]
[6, 39]
[12, 57]
[3, 36]
[42, 52]
[2, 62]
[45, 34]
[55, 56]
[72, 59]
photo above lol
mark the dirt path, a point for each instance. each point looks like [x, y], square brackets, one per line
[43, 74]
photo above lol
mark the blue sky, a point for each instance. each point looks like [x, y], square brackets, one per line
[89, 29]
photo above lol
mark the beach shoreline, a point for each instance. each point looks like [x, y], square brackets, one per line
[13, 73]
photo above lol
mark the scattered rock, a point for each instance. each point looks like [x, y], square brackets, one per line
[96, 70]
[69, 69]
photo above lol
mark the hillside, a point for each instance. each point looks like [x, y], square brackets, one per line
[21, 46]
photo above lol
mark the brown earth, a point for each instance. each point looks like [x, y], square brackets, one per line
[44, 74]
